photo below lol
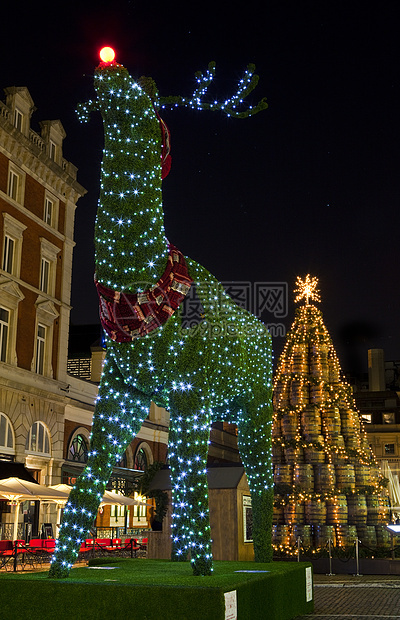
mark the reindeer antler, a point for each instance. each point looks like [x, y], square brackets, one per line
[246, 85]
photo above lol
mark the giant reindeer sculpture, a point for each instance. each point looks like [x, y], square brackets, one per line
[218, 370]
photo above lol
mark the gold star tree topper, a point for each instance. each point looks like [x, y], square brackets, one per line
[307, 289]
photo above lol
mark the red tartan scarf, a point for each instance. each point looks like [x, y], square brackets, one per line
[126, 316]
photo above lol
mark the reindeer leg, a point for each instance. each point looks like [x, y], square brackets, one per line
[254, 440]
[118, 416]
[188, 448]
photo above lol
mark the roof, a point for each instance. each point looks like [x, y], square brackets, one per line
[218, 478]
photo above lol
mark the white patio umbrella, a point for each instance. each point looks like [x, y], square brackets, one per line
[110, 498]
[18, 490]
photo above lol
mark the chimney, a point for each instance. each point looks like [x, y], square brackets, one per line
[376, 370]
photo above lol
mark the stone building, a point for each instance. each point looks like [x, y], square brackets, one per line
[38, 195]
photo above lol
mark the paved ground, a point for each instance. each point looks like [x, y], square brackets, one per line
[345, 597]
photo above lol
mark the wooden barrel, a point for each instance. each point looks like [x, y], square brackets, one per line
[276, 427]
[346, 535]
[277, 453]
[334, 370]
[294, 513]
[294, 455]
[353, 442]
[315, 512]
[278, 515]
[322, 534]
[303, 476]
[281, 394]
[357, 509]
[311, 421]
[304, 532]
[377, 510]
[298, 394]
[367, 535]
[345, 478]
[324, 478]
[363, 475]
[312, 453]
[300, 359]
[331, 421]
[319, 366]
[316, 393]
[283, 473]
[337, 449]
[289, 424]
[348, 422]
[281, 535]
[336, 510]
[383, 537]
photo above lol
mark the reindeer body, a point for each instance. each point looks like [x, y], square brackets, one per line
[219, 369]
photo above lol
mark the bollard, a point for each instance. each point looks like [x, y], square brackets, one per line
[330, 558]
[15, 555]
[357, 561]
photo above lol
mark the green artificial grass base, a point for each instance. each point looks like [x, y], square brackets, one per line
[148, 589]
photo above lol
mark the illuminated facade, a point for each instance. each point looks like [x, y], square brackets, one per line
[379, 404]
[38, 196]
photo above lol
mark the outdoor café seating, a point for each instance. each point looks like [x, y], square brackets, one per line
[11, 553]
[38, 551]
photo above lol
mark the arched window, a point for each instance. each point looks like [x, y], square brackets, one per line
[38, 439]
[78, 449]
[143, 457]
[124, 461]
[7, 443]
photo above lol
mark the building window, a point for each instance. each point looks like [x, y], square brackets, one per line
[48, 211]
[38, 439]
[48, 266]
[52, 150]
[18, 119]
[388, 418]
[78, 450]
[40, 349]
[143, 457]
[16, 183]
[12, 244]
[6, 434]
[367, 417]
[4, 327]
[8, 254]
[44, 275]
[389, 448]
[13, 185]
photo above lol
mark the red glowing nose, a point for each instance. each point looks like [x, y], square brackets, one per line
[107, 54]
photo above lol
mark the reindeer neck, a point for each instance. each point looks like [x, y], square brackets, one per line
[130, 243]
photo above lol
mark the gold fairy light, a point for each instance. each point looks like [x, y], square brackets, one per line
[307, 289]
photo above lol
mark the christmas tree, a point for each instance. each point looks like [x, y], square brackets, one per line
[327, 481]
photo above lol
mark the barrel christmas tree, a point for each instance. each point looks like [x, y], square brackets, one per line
[327, 481]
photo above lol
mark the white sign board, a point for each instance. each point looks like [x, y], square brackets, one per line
[247, 519]
[230, 605]
[309, 588]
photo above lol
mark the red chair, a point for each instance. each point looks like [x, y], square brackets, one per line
[6, 553]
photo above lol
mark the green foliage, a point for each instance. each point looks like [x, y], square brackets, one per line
[154, 587]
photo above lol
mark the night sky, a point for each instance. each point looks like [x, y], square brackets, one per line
[310, 185]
